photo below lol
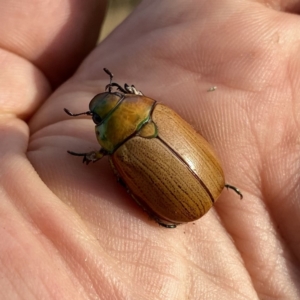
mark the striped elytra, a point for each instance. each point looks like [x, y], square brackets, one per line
[168, 168]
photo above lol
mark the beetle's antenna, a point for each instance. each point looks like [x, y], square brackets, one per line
[110, 74]
[228, 186]
[75, 115]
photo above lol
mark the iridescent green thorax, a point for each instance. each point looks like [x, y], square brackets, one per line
[121, 116]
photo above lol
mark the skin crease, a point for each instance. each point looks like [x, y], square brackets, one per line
[69, 231]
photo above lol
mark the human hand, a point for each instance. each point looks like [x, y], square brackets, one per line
[69, 231]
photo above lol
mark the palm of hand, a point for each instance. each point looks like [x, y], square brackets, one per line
[70, 231]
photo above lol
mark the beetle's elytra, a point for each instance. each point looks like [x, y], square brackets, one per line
[168, 168]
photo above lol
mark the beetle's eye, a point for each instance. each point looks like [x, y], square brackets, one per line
[97, 119]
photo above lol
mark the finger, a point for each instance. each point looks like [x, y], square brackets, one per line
[55, 37]
[41, 234]
[292, 6]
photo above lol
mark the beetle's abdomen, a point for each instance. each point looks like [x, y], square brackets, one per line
[168, 174]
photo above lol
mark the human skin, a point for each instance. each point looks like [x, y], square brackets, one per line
[70, 231]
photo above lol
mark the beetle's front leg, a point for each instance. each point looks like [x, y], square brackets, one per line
[90, 156]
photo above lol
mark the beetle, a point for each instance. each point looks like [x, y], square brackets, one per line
[166, 166]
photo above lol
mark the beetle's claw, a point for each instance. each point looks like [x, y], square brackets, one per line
[85, 160]
[88, 113]
[75, 153]
[87, 157]
[132, 90]
[127, 89]
[119, 88]
[167, 225]
[162, 223]
[90, 157]
[228, 186]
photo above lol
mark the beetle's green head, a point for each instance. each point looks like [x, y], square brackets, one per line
[103, 105]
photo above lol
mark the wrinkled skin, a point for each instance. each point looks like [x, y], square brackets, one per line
[70, 231]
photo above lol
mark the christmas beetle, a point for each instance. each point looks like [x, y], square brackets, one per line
[175, 178]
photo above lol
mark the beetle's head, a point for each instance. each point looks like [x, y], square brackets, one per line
[102, 105]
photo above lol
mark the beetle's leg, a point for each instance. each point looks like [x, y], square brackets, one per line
[90, 156]
[116, 85]
[119, 178]
[228, 186]
[162, 223]
[166, 225]
[89, 113]
[132, 90]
